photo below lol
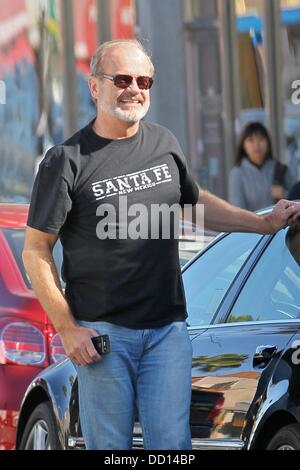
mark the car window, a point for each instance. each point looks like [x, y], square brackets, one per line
[189, 247]
[272, 291]
[208, 279]
[15, 239]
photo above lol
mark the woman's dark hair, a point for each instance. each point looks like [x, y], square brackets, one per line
[251, 129]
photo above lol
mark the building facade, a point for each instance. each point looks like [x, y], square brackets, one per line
[45, 50]
[222, 64]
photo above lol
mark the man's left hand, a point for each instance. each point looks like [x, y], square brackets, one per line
[283, 214]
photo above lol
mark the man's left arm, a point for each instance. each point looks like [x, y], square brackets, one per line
[219, 215]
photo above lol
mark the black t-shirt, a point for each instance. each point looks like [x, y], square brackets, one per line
[130, 282]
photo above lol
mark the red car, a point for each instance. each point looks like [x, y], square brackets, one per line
[28, 342]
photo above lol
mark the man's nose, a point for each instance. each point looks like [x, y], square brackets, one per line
[134, 87]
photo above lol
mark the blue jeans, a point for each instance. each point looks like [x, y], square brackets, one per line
[148, 370]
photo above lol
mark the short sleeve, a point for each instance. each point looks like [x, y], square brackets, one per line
[51, 198]
[188, 186]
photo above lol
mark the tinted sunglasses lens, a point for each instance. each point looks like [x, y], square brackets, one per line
[123, 81]
[144, 83]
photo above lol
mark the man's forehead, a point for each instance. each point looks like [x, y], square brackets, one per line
[125, 56]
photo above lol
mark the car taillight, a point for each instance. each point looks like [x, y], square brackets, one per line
[22, 343]
[57, 352]
[216, 409]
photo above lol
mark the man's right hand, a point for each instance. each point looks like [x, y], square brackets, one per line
[78, 345]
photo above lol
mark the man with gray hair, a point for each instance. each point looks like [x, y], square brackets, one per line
[129, 289]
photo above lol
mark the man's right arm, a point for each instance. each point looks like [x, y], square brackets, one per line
[41, 269]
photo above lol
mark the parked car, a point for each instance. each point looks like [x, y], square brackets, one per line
[28, 342]
[243, 301]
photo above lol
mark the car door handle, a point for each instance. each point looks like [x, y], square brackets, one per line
[263, 355]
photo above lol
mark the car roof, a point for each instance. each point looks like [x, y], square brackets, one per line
[13, 215]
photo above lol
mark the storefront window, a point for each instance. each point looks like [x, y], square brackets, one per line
[290, 3]
[205, 95]
[193, 9]
[290, 22]
[252, 63]
[249, 7]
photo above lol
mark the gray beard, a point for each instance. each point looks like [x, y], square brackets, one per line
[131, 116]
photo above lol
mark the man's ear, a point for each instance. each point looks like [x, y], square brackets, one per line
[94, 87]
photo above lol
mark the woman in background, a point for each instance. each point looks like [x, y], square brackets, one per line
[257, 180]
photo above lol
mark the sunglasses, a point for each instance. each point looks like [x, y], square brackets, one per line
[124, 81]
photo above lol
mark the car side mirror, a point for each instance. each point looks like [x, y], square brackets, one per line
[292, 240]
